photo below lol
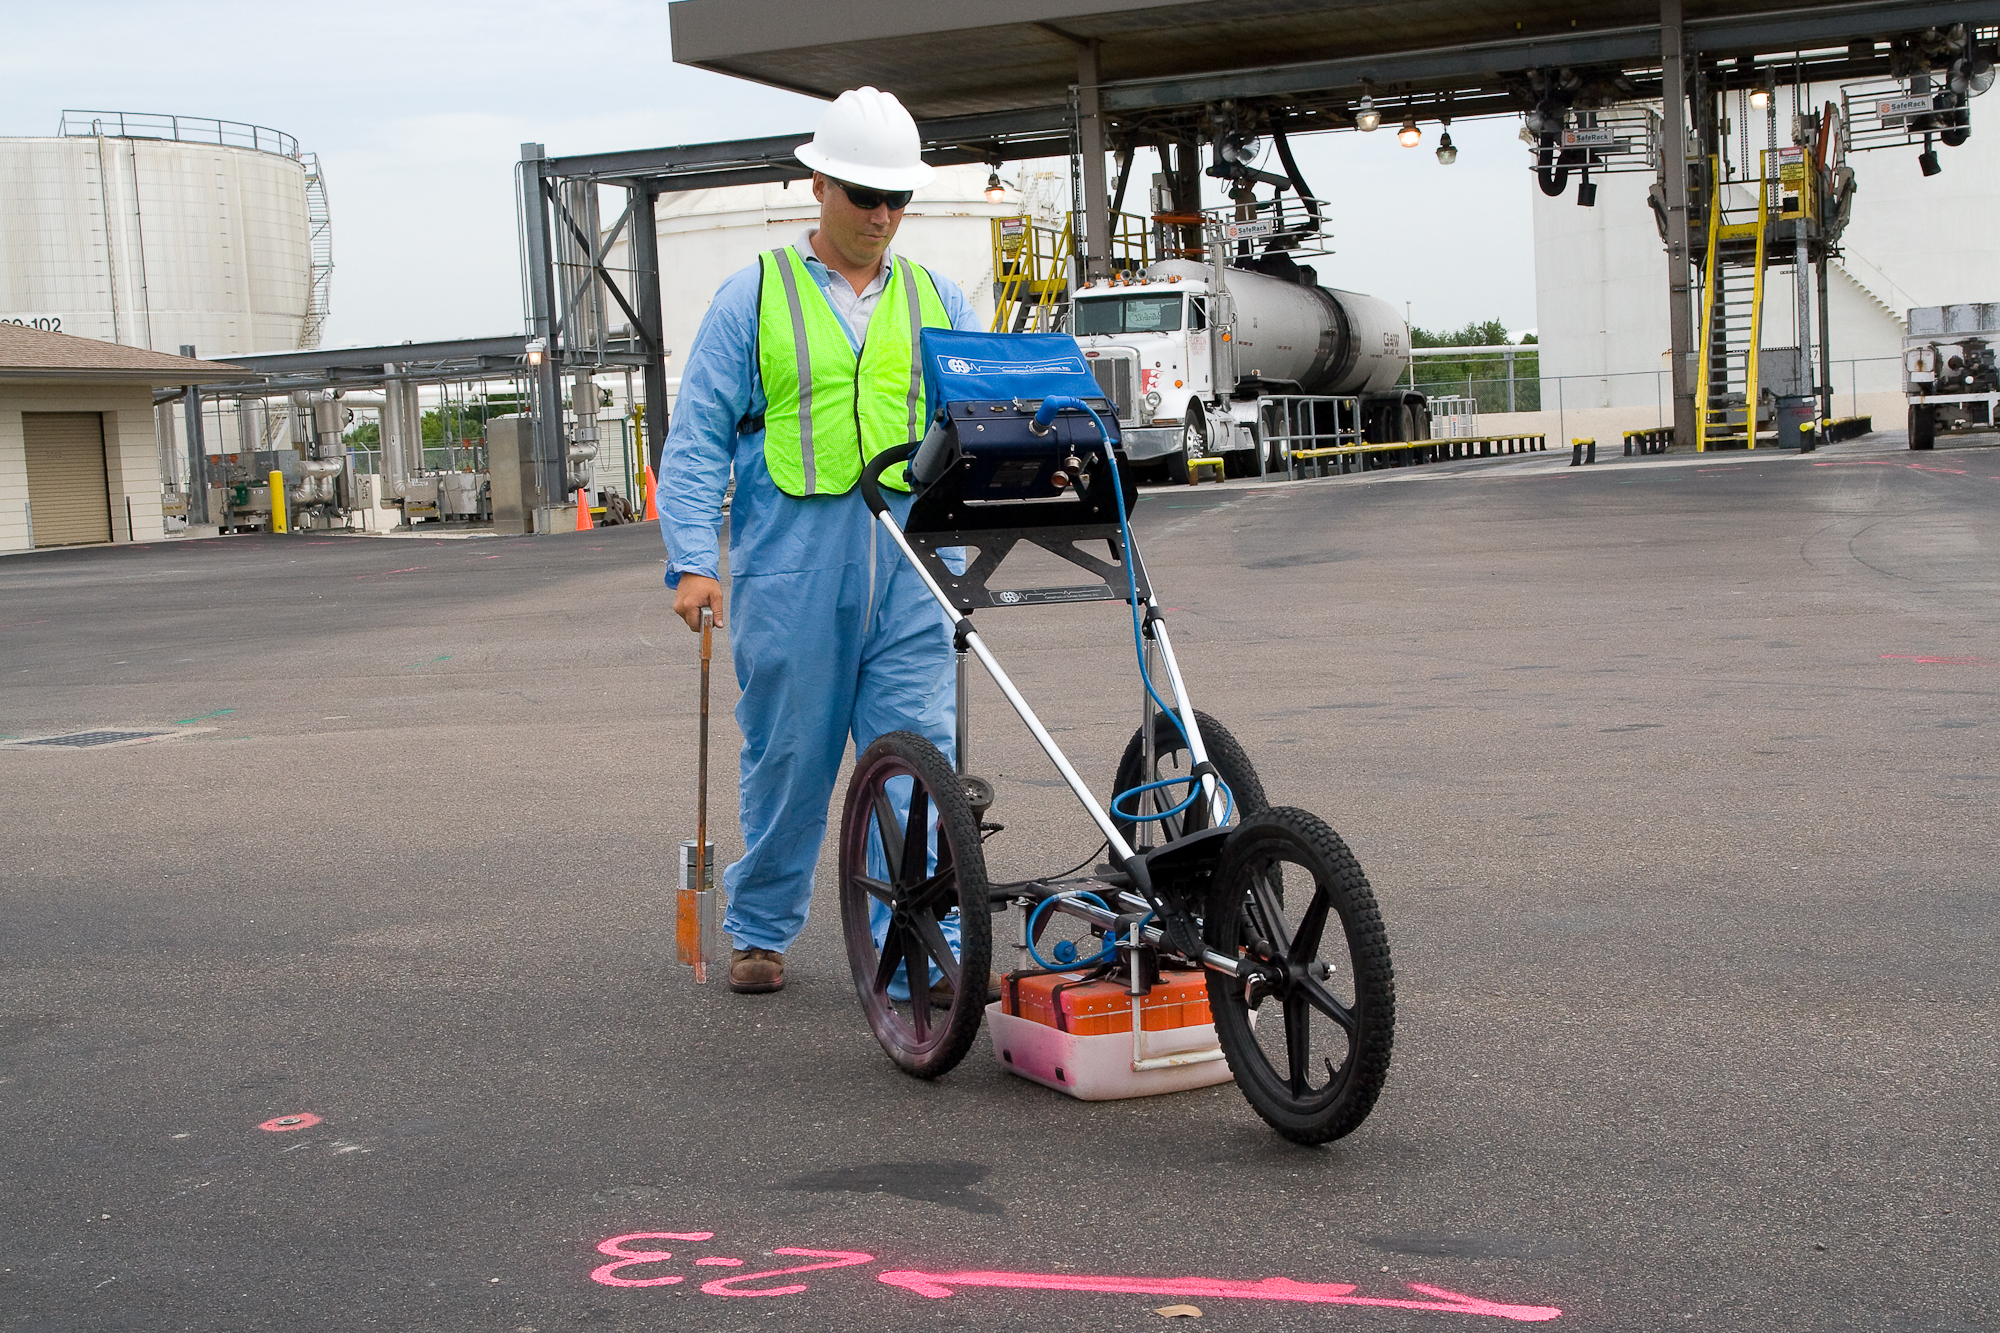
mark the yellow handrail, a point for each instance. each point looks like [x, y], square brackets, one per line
[1750, 404]
[1708, 284]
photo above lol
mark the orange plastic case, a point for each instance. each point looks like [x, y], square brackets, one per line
[1066, 1002]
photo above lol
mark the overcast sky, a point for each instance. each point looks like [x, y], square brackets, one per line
[418, 111]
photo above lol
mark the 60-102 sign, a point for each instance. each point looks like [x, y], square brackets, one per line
[46, 323]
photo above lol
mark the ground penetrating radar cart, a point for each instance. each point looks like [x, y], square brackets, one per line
[1202, 874]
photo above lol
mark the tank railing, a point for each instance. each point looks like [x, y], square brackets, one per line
[1296, 422]
[1454, 418]
[177, 129]
[1279, 225]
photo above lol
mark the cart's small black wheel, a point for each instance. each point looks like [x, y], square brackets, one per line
[910, 853]
[1171, 760]
[1309, 1025]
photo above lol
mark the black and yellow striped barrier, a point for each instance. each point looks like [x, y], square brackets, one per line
[1655, 441]
[1343, 456]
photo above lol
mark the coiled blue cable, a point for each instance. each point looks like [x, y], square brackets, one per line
[1105, 954]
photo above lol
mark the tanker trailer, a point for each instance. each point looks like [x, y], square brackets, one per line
[1213, 359]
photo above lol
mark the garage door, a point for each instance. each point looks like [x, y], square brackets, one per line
[67, 495]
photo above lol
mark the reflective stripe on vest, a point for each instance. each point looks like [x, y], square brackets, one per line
[827, 410]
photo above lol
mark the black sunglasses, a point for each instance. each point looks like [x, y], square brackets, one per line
[868, 200]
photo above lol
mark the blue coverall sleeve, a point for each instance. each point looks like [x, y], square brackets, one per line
[719, 388]
[957, 306]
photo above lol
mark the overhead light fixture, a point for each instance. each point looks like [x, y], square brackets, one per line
[1366, 117]
[1409, 136]
[1447, 150]
[996, 189]
[1760, 96]
[537, 349]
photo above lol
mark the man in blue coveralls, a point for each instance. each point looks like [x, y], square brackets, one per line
[805, 368]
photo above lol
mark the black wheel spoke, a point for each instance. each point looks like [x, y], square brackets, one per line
[1312, 928]
[877, 889]
[885, 964]
[918, 969]
[1269, 912]
[890, 831]
[916, 838]
[932, 935]
[1320, 998]
[1298, 1042]
[925, 894]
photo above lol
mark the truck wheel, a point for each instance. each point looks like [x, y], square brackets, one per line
[1923, 428]
[1194, 443]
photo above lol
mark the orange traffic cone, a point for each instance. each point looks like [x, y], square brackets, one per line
[583, 523]
[652, 497]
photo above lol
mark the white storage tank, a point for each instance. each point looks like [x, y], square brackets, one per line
[159, 231]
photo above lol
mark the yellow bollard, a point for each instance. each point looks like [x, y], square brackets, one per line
[278, 502]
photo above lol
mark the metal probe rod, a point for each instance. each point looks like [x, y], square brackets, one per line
[704, 899]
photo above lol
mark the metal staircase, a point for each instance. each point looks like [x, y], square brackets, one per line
[1732, 309]
[319, 224]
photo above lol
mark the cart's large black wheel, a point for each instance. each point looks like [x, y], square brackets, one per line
[1171, 760]
[907, 807]
[1309, 1026]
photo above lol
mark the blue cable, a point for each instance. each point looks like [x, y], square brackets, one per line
[1109, 950]
[1045, 414]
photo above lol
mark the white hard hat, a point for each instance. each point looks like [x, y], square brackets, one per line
[867, 138]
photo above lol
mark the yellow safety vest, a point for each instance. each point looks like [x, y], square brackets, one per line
[828, 411]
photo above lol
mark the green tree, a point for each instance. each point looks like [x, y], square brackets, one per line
[1480, 375]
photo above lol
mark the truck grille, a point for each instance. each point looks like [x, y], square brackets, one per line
[1114, 376]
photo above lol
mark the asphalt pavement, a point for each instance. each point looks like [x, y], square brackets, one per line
[348, 1002]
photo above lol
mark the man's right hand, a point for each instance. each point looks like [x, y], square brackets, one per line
[694, 592]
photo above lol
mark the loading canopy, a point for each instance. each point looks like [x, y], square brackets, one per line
[1008, 55]
[1013, 79]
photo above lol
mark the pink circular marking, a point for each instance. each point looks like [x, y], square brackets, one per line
[718, 1263]
[299, 1120]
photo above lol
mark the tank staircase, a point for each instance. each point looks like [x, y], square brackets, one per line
[1033, 260]
[1726, 389]
[319, 279]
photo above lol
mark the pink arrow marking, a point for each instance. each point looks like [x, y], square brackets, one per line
[939, 1285]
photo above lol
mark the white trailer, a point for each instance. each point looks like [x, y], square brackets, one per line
[1949, 373]
[1246, 357]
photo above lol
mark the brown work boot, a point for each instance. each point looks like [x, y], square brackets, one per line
[941, 991]
[756, 971]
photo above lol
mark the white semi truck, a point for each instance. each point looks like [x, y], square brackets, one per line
[1949, 372]
[1216, 358]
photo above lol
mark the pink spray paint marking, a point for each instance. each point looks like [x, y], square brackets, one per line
[1933, 661]
[728, 1286]
[625, 1257]
[939, 1285]
[608, 1273]
[297, 1120]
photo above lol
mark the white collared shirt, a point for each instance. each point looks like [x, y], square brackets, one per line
[854, 308]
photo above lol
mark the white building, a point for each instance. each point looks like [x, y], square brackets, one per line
[79, 460]
[1601, 280]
